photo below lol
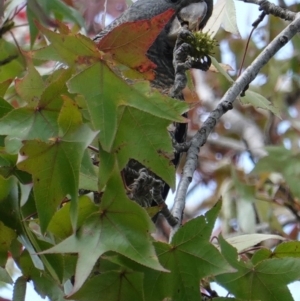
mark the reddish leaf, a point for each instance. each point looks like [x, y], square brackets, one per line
[129, 42]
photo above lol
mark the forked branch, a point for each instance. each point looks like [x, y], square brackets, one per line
[226, 104]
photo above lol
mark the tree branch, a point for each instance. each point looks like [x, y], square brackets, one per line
[226, 104]
[270, 8]
[240, 125]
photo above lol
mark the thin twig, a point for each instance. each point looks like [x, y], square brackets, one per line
[226, 103]
[156, 193]
[94, 149]
[254, 24]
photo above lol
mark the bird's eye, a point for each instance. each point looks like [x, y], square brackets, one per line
[174, 1]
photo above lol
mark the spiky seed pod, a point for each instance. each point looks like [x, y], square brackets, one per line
[202, 44]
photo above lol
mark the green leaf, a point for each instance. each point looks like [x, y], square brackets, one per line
[4, 276]
[60, 224]
[284, 161]
[5, 186]
[42, 11]
[126, 284]
[15, 66]
[6, 237]
[88, 178]
[259, 101]
[267, 280]
[4, 86]
[287, 249]
[55, 165]
[26, 123]
[128, 116]
[31, 87]
[69, 266]
[261, 255]
[38, 119]
[20, 289]
[11, 216]
[36, 12]
[43, 284]
[9, 207]
[63, 11]
[8, 168]
[149, 133]
[189, 257]
[54, 261]
[221, 70]
[104, 231]
[31, 16]
[5, 107]
[106, 167]
[27, 202]
[69, 48]
[106, 92]
[70, 118]
[12, 145]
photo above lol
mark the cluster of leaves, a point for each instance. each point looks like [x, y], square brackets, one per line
[88, 251]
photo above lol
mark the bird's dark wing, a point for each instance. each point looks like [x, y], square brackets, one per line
[192, 13]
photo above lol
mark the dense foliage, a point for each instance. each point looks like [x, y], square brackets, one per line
[66, 134]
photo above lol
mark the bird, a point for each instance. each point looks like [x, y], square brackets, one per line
[193, 15]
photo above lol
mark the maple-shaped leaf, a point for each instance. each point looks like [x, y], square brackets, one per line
[38, 119]
[43, 284]
[31, 87]
[68, 48]
[120, 225]
[287, 249]
[105, 92]
[189, 257]
[88, 178]
[108, 272]
[266, 279]
[129, 42]
[5, 107]
[4, 86]
[127, 285]
[55, 165]
[8, 168]
[60, 225]
[4, 275]
[128, 116]
[14, 65]
[259, 101]
[144, 137]
[7, 236]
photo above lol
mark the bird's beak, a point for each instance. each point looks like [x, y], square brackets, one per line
[192, 15]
